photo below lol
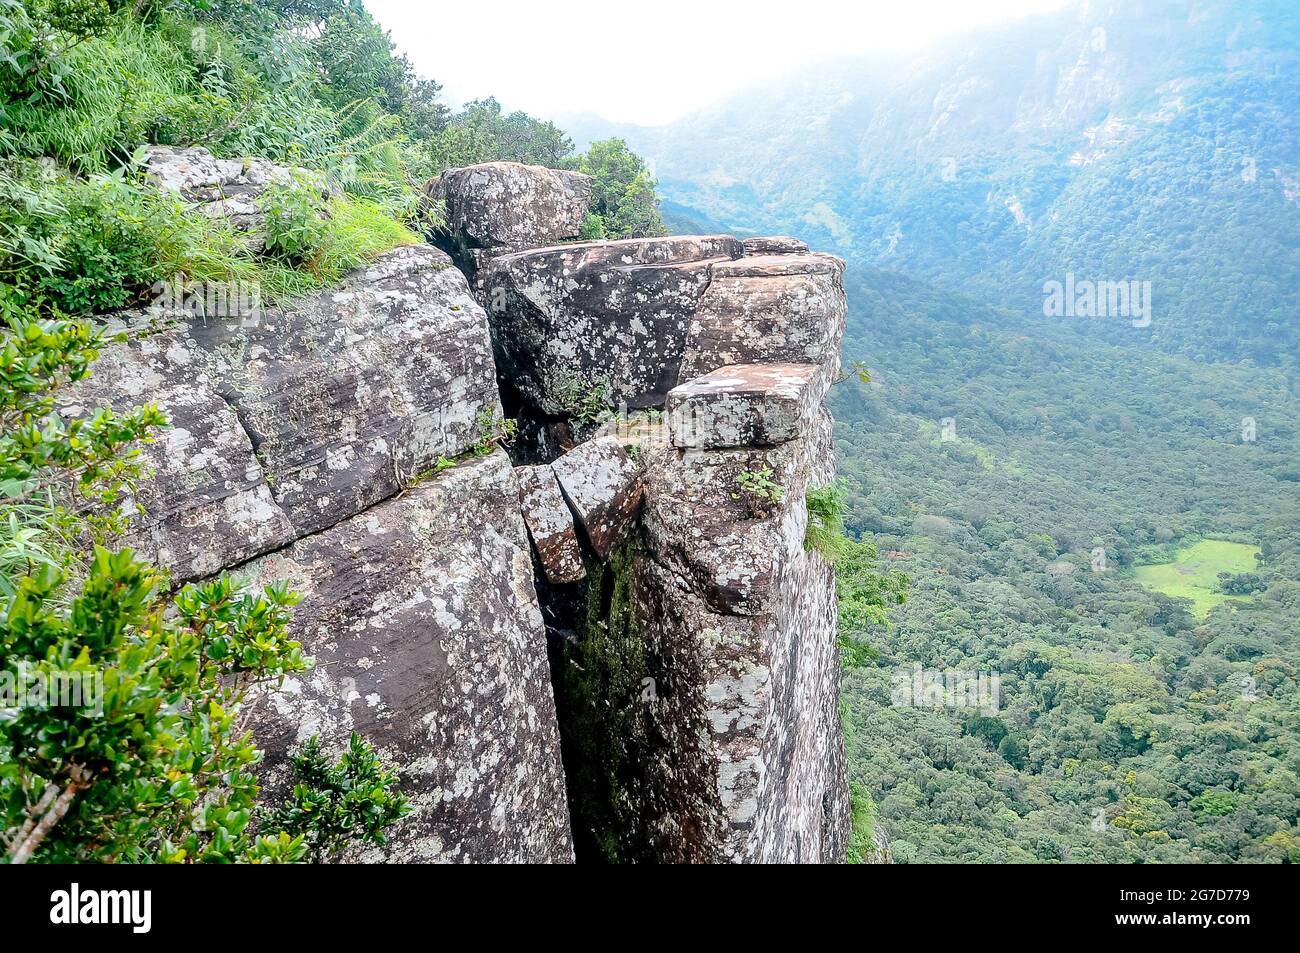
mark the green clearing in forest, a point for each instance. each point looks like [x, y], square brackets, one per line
[1194, 573]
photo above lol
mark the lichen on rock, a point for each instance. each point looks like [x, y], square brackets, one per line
[427, 636]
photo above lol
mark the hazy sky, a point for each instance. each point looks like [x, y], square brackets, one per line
[650, 61]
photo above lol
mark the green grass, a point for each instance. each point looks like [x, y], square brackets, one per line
[1194, 572]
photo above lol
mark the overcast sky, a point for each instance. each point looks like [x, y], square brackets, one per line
[651, 61]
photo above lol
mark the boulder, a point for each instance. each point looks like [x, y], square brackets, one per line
[288, 421]
[349, 394]
[428, 640]
[550, 524]
[768, 309]
[602, 484]
[775, 245]
[606, 321]
[745, 405]
[497, 207]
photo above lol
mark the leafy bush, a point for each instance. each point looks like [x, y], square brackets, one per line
[862, 836]
[623, 195]
[295, 225]
[336, 803]
[865, 594]
[114, 242]
[52, 469]
[134, 746]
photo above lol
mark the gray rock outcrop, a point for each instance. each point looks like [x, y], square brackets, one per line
[294, 433]
[748, 615]
[289, 420]
[698, 680]
[498, 207]
[775, 245]
[622, 650]
[609, 318]
[768, 309]
[602, 483]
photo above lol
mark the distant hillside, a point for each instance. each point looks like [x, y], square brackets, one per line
[1152, 142]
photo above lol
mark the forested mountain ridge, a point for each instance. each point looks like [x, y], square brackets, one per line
[1150, 141]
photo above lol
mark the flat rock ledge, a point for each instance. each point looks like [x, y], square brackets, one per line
[745, 405]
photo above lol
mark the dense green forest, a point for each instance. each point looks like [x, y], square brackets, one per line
[1129, 728]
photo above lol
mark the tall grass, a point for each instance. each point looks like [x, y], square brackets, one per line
[165, 83]
[122, 89]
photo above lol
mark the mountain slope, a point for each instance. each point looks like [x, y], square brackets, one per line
[1152, 143]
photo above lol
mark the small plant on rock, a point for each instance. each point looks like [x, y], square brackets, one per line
[584, 400]
[493, 432]
[758, 491]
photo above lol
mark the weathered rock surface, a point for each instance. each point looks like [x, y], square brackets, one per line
[348, 395]
[498, 207]
[704, 705]
[206, 503]
[550, 524]
[775, 245]
[287, 424]
[428, 640]
[745, 405]
[768, 309]
[608, 318]
[220, 188]
[755, 614]
[602, 484]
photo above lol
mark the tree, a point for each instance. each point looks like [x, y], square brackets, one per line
[623, 194]
[483, 133]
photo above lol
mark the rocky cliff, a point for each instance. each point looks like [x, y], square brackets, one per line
[612, 641]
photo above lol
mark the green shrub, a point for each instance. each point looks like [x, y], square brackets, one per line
[141, 756]
[624, 202]
[862, 837]
[336, 803]
[825, 531]
[759, 492]
[295, 222]
[113, 246]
